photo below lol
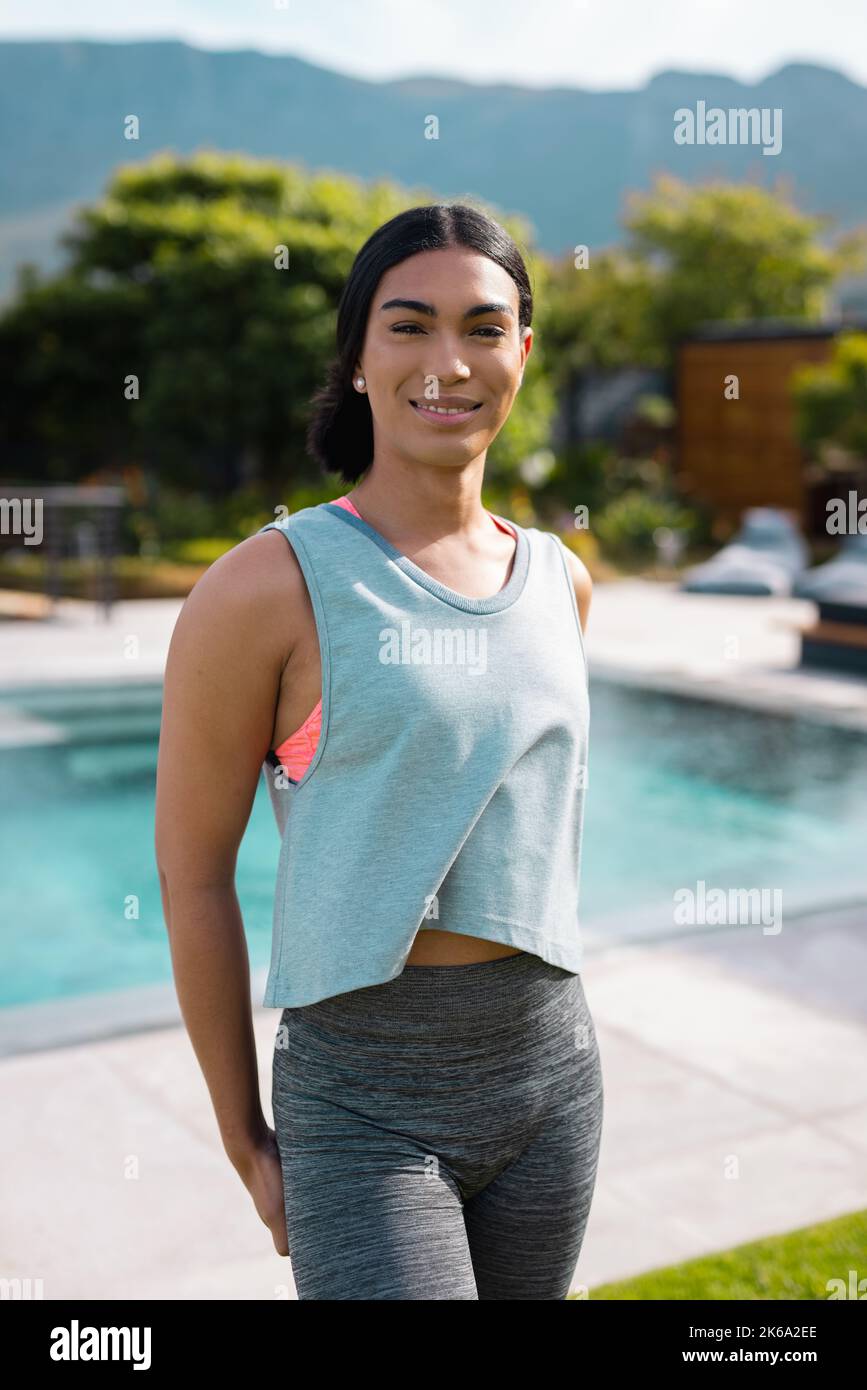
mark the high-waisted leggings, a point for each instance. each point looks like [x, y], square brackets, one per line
[439, 1133]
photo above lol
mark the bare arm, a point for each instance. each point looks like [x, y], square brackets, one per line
[231, 641]
[583, 585]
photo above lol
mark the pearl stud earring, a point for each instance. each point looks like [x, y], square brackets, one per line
[359, 381]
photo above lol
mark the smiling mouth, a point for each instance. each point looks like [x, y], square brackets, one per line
[445, 413]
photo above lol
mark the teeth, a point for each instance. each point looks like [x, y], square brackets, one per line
[450, 410]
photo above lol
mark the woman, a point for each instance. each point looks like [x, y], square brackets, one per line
[409, 673]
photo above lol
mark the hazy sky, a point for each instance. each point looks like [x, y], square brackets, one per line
[589, 43]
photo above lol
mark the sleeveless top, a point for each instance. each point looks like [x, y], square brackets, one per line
[447, 786]
[296, 751]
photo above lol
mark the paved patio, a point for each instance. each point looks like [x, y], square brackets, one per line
[735, 1073]
[734, 1062]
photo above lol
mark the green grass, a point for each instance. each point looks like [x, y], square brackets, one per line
[797, 1265]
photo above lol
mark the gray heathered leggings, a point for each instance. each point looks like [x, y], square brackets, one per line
[439, 1133]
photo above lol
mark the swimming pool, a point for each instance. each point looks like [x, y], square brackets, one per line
[679, 790]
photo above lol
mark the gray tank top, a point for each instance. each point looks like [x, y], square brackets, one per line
[447, 788]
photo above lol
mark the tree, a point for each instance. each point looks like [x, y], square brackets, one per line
[176, 291]
[600, 316]
[692, 254]
[733, 252]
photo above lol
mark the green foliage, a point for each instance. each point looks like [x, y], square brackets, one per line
[655, 410]
[627, 524]
[202, 550]
[626, 499]
[725, 251]
[693, 253]
[196, 527]
[831, 398]
[600, 316]
[63, 353]
[175, 279]
[585, 476]
[172, 518]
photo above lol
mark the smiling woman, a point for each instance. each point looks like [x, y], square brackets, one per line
[426, 953]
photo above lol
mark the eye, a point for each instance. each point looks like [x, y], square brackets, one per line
[488, 329]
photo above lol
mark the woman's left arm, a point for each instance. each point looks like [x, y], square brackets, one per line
[583, 585]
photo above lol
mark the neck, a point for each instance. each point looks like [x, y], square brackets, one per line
[425, 503]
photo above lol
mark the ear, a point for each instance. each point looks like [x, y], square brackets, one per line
[526, 345]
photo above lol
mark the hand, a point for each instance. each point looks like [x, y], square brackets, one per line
[262, 1175]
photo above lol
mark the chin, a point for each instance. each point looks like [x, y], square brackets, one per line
[452, 454]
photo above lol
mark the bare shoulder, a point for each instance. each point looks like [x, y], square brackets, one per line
[250, 599]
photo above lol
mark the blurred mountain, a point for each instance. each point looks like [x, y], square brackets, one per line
[562, 156]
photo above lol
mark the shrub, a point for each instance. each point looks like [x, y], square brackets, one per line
[628, 522]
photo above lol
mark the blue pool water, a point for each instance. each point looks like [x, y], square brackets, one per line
[678, 790]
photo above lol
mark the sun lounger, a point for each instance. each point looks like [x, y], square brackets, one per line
[764, 557]
[841, 580]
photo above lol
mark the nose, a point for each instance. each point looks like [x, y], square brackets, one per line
[445, 361]
[448, 369]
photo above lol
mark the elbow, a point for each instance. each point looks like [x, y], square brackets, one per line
[165, 862]
[164, 893]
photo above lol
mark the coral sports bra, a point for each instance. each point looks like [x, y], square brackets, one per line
[296, 752]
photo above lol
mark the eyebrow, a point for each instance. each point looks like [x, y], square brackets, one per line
[421, 307]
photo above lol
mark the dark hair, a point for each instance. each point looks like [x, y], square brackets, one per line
[340, 433]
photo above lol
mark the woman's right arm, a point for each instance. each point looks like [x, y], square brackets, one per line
[231, 642]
